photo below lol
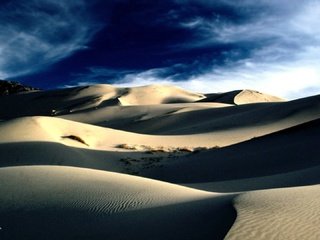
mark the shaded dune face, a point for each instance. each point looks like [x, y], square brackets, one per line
[81, 163]
[72, 203]
[289, 155]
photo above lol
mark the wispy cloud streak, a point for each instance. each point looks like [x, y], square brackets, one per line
[38, 33]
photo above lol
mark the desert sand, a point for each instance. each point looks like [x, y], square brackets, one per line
[158, 162]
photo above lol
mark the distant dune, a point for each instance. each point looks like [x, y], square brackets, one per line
[158, 162]
[239, 97]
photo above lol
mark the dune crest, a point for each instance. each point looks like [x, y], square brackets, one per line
[250, 96]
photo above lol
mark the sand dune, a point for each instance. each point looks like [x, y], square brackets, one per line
[129, 118]
[240, 97]
[195, 118]
[48, 129]
[51, 153]
[42, 202]
[55, 102]
[66, 157]
[65, 101]
[291, 213]
[157, 94]
[239, 162]
[70, 100]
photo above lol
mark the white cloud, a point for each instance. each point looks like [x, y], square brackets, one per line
[291, 81]
[194, 23]
[38, 33]
[307, 20]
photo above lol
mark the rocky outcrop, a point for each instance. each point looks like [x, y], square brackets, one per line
[10, 87]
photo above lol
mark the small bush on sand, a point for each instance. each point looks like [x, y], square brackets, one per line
[126, 146]
[75, 138]
[161, 149]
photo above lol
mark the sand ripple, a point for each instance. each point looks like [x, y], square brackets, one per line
[291, 213]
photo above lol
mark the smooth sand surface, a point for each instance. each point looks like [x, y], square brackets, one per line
[85, 163]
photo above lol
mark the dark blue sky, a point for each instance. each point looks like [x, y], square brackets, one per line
[210, 46]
